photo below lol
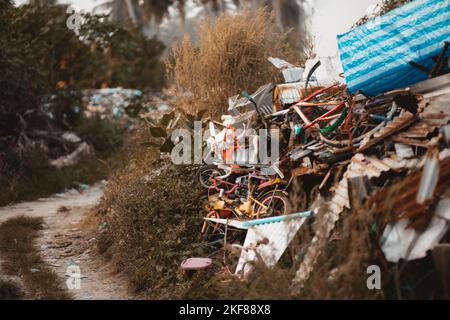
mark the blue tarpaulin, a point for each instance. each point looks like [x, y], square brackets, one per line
[376, 56]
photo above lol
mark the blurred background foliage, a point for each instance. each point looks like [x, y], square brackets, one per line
[42, 58]
[45, 67]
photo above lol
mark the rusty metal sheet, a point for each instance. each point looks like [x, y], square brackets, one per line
[360, 165]
[404, 192]
[435, 114]
[399, 123]
[372, 167]
[411, 142]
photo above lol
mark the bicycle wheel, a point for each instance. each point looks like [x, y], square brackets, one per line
[273, 203]
[208, 172]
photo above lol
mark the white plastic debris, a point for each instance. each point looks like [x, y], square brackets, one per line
[290, 72]
[71, 159]
[429, 180]
[278, 235]
[266, 238]
[71, 137]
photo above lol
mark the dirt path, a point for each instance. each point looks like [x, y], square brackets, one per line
[69, 239]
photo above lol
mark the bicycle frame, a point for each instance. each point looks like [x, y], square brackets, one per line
[246, 209]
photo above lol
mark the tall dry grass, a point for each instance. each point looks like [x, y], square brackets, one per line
[231, 56]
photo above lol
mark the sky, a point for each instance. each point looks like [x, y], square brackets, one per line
[330, 18]
[82, 4]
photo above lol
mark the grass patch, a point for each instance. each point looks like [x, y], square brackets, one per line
[154, 213]
[10, 291]
[17, 247]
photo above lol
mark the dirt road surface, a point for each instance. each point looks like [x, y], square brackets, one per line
[69, 239]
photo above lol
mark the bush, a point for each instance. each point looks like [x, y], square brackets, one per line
[45, 66]
[153, 209]
[231, 56]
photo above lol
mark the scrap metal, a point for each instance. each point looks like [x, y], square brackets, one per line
[326, 129]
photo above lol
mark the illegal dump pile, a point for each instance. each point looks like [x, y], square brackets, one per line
[379, 143]
[360, 183]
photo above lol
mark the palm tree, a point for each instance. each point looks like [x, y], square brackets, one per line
[139, 11]
[149, 14]
[289, 14]
[43, 2]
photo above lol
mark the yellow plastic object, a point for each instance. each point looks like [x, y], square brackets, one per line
[219, 205]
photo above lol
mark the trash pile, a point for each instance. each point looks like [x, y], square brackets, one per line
[116, 105]
[110, 102]
[387, 145]
[331, 131]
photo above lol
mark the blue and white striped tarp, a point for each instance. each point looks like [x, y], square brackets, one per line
[376, 55]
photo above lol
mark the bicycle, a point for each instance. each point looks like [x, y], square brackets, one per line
[251, 196]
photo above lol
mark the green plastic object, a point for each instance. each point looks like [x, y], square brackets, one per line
[336, 124]
[374, 228]
[298, 129]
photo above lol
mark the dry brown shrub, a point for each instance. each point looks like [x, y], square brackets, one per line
[340, 271]
[231, 56]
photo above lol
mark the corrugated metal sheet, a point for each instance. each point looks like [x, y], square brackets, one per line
[399, 242]
[405, 192]
[359, 166]
[404, 120]
[376, 56]
[290, 72]
[267, 241]
[435, 114]
[262, 97]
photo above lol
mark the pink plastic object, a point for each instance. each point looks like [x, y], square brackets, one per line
[196, 263]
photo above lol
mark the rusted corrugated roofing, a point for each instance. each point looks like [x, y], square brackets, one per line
[404, 120]
[362, 165]
[404, 193]
[359, 166]
[435, 114]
